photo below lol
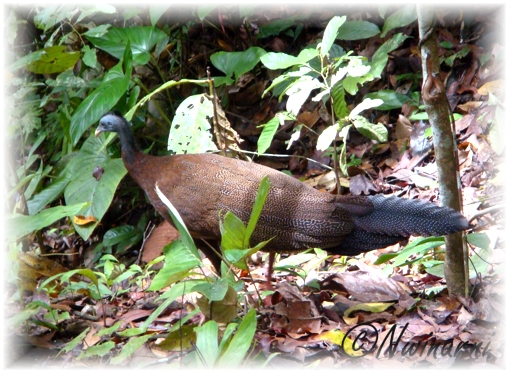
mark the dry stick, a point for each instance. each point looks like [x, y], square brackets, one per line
[486, 211]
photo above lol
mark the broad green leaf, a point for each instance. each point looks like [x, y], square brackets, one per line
[85, 188]
[294, 260]
[156, 11]
[50, 15]
[119, 234]
[178, 262]
[233, 232]
[54, 60]
[177, 290]
[357, 68]
[99, 101]
[276, 61]
[339, 104]
[97, 31]
[241, 342]
[207, 343]
[141, 40]
[391, 99]
[299, 91]
[400, 18]
[417, 246]
[480, 240]
[373, 131]
[380, 57]
[48, 194]
[275, 27]
[190, 131]
[268, 131]
[71, 345]
[235, 64]
[356, 30]
[130, 348]
[20, 225]
[351, 83]
[26, 60]
[88, 10]
[367, 103]
[327, 137]
[203, 10]
[330, 34]
[213, 291]
[97, 350]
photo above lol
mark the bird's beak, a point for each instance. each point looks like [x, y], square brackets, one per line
[98, 131]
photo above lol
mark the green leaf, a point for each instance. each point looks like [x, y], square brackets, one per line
[400, 18]
[99, 101]
[49, 16]
[417, 246]
[233, 232]
[185, 236]
[260, 199]
[235, 64]
[213, 291]
[380, 57]
[129, 348]
[26, 60]
[177, 290]
[156, 11]
[190, 131]
[203, 10]
[275, 27]
[268, 131]
[54, 60]
[276, 61]
[140, 39]
[241, 342]
[299, 91]
[76, 341]
[367, 103]
[179, 260]
[339, 104]
[85, 188]
[327, 137]
[20, 225]
[373, 131]
[97, 350]
[330, 34]
[119, 234]
[207, 343]
[391, 99]
[356, 30]
[480, 240]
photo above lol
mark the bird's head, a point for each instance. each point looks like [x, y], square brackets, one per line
[111, 122]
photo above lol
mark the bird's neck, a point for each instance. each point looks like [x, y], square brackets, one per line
[128, 144]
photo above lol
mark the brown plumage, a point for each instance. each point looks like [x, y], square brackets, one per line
[295, 215]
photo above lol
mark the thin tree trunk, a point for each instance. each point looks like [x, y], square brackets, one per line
[436, 105]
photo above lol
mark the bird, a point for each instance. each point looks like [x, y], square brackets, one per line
[295, 216]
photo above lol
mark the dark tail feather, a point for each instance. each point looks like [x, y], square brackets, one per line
[395, 219]
[403, 217]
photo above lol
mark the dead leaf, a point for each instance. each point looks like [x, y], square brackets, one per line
[83, 220]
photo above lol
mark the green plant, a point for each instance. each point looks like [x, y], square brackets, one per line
[333, 72]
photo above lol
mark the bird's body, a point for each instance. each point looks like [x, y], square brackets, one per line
[295, 216]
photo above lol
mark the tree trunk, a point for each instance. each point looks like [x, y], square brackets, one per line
[436, 105]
